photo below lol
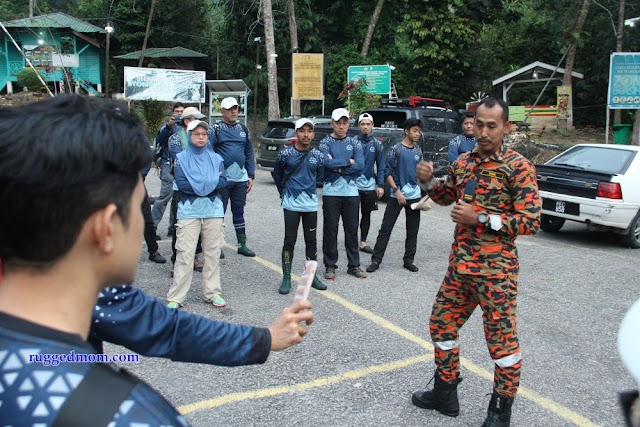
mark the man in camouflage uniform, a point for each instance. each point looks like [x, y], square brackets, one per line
[496, 199]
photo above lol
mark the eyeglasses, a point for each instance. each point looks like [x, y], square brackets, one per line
[199, 134]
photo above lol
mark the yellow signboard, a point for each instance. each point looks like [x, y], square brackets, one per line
[308, 76]
[564, 102]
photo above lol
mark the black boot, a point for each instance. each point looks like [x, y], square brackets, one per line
[499, 413]
[443, 398]
[285, 287]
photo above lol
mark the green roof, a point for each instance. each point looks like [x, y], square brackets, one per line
[55, 20]
[163, 52]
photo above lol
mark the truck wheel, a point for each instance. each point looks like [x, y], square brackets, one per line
[551, 224]
[632, 238]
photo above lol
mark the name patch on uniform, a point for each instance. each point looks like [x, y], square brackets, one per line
[459, 171]
[492, 174]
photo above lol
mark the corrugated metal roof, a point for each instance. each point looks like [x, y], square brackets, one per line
[55, 20]
[163, 52]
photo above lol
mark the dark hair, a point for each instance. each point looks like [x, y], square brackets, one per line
[176, 105]
[492, 102]
[63, 159]
[468, 115]
[409, 123]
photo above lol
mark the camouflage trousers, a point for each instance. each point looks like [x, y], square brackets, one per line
[457, 298]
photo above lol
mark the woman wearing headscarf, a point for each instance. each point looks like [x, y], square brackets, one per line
[199, 174]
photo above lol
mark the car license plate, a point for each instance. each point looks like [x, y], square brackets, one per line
[272, 147]
[568, 208]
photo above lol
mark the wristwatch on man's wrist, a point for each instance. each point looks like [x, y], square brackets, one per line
[482, 218]
[394, 189]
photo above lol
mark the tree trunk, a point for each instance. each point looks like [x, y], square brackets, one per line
[146, 33]
[372, 27]
[293, 32]
[617, 115]
[636, 129]
[571, 56]
[272, 68]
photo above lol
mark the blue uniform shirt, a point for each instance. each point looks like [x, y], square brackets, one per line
[236, 148]
[460, 144]
[373, 153]
[299, 193]
[404, 170]
[339, 174]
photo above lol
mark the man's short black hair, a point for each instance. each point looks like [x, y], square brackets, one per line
[63, 159]
[492, 102]
[468, 115]
[177, 104]
[409, 123]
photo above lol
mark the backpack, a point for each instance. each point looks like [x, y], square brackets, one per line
[398, 147]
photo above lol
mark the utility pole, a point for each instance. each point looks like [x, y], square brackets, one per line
[146, 34]
[255, 89]
[109, 29]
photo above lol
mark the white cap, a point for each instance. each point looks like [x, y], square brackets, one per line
[339, 113]
[302, 122]
[194, 124]
[228, 103]
[365, 116]
[192, 113]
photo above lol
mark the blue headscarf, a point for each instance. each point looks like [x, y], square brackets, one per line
[201, 167]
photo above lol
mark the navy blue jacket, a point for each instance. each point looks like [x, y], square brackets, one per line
[126, 316]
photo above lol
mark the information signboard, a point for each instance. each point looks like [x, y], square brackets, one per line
[378, 77]
[308, 76]
[624, 80]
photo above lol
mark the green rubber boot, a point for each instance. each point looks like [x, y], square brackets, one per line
[242, 246]
[317, 284]
[285, 287]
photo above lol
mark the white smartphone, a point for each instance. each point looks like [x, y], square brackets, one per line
[306, 279]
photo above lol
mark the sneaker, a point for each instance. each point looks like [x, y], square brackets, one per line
[373, 267]
[157, 258]
[198, 262]
[218, 301]
[330, 273]
[357, 272]
[174, 305]
[410, 266]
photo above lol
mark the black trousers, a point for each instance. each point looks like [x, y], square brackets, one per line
[149, 227]
[309, 226]
[368, 204]
[388, 221]
[334, 207]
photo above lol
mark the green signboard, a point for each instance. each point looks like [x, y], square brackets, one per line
[378, 77]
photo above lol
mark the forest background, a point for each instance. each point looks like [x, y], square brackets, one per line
[444, 49]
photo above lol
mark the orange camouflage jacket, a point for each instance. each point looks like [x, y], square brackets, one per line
[506, 186]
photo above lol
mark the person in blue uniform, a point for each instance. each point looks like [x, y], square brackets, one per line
[400, 173]
[298, 171]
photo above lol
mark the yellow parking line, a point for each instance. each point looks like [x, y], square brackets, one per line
[542, 401]
[320, 382]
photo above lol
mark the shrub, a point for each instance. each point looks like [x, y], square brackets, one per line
[28, 78]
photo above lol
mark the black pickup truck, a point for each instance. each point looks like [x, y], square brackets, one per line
[439, 125]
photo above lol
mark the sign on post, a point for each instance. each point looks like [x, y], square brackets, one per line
[378, 77]
[308, 76]
[163, 84]
[624, 80]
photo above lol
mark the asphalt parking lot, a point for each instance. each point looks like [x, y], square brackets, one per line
[369, 347]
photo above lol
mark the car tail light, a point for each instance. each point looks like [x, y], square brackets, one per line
[292, 141]
[609, 190]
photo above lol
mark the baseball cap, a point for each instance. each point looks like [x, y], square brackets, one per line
[365, 116]
[229, 102]
[302, 122]
[192, 112]
[339, 113]
[194, 124]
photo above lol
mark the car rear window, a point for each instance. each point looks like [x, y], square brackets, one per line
[600, 159]
[279, 131]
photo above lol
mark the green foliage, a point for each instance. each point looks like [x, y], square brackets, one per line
[357, 99]
[153, 116]
[28, 78]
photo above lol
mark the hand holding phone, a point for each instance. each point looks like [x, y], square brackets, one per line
[304, 285]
